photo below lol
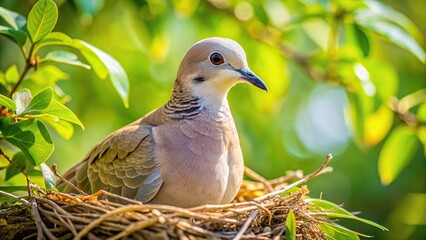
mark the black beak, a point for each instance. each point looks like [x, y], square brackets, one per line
[250, 77]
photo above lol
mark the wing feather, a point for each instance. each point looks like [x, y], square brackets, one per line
[123, 163]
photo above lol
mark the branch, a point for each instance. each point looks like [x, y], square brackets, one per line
[55, 171]
[246, 225]
[301, 181]
[255, 176]
[16, 166]
[13, 197]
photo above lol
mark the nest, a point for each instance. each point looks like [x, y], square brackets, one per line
[259, 212]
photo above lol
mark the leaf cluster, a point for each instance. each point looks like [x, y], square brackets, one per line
[23, 117]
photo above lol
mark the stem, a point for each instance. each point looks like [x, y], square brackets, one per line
[28, 66]
[55, 171]
[332, 51]
[16, 166]
[13, 197]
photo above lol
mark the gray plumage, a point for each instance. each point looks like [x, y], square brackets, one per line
[186, 153]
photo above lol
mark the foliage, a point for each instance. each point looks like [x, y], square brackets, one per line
[24, 117]
[344, 76]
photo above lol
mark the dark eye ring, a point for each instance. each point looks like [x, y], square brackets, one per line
[216, 58]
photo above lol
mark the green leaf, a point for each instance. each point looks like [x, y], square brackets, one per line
[58, 110]
[42, 19]
[384, 77]
[4, 124]
[393, 158]
[324, 205]
[48, 75]
[330, 209]
[377, 125]
[54, 38]
[22, 99]
[357, 112]
[12, 74]
[32, 137]
[48, 175]
[7, 102]
[379, 9]
[20, 161]
[308, 12]
[2, 79]
[64, 57]
[11, 189]
[104, 65]
[18, 36]
[290, 224]
[63, 128]
[421, 113]
[15, 20]
[99, 67]
[394, 34]
[333, 231]
[40, 101]
[362, 40]
[352, 217]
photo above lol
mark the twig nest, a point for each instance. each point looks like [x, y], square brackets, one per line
[68, 216]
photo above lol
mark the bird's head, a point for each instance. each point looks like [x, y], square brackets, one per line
[213, 66]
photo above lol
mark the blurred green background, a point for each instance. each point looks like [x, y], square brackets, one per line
[341, 77]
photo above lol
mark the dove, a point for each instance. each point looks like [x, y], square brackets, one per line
[186, 153]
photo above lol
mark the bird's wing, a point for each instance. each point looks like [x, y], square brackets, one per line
[123, 164]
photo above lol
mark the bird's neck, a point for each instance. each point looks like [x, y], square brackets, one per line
[183, 104]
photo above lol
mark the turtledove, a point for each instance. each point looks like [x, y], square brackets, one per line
[185, 153]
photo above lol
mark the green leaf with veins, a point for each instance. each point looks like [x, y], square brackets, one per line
[42, 19]
[64, 57]
[63, 128]
[40, 101]
[61, 112]
[54, 38]
[102, 64]
[32, 137]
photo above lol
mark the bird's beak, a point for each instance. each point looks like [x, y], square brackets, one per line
[250, 77]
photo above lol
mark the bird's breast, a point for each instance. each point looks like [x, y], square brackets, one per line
[200, 158]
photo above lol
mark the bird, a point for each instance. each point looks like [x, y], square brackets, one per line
[186, 153]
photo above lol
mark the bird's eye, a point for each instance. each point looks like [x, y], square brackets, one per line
[216, 58]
